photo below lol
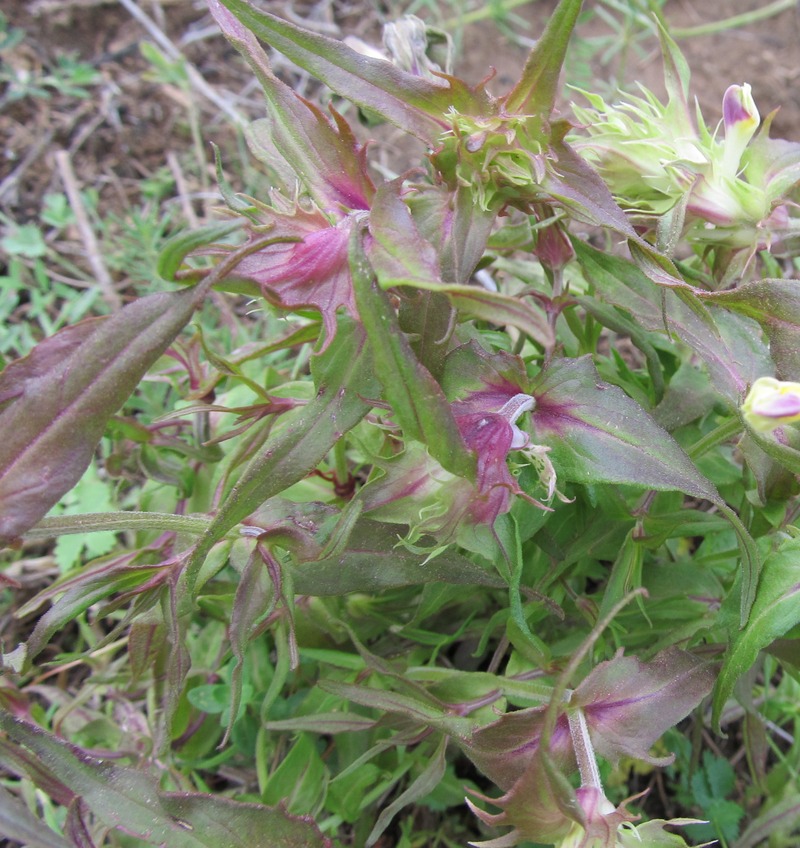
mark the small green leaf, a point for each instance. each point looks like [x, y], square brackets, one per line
[343, 375]
[775, 611]
[181, 245]
[24, 240]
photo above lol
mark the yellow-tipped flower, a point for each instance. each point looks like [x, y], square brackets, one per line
[772, 403]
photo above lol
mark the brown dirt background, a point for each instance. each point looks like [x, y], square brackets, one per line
[134, 126]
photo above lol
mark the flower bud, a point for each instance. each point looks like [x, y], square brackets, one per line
[771, 403]
[741, 119]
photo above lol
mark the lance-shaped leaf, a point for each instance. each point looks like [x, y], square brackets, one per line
[775, 611]
[59, 404]
[775, 304]
[297, 140]
[536, 91]
[416, 398]
[578, 188]
[343, 375]
[629, 704]
[456, 226]
[131, 800]
[415, 104]
[733, 353]
[598, 434]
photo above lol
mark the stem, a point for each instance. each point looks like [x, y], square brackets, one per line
[584, 751]
[341, 472]
[485, 11]
[718, 435]
[560, 688]
[117, 522]
[736, 21]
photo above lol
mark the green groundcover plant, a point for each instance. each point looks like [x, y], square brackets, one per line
[506, 493]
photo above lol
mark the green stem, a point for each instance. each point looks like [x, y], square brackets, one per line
[736, 21]
[117, 522]
[486, 10]
[340, 462]
[718, 435]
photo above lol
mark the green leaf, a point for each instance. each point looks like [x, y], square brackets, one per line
[423, 785]
[60, 403]
[775, 611]
[775, 304]
[255, 598]
[78, 592]
[416, 398]
[18, 823]
[535, 92]
[732, 351]
[781, 818]
[598, 434]
[413, 103]
[179, 246]
[374, 559]
[343, 376]
[300, 778]
[130, 799]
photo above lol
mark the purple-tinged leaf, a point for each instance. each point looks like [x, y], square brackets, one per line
[577, 187]
[19, 824]
[629, 704]
[541, 807]
[501, 309]
[23, 763]
[456, 226]
[415, 104]
[775, 304]
[504, 749]
[131, 800]
[733, 353]
[58, 413]
[327, 159]
[599, 434]
[775, 611]
[75, 826]
[416, 398]
[536, 91]
[76, 593]
[304, 264]
[401, 256]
